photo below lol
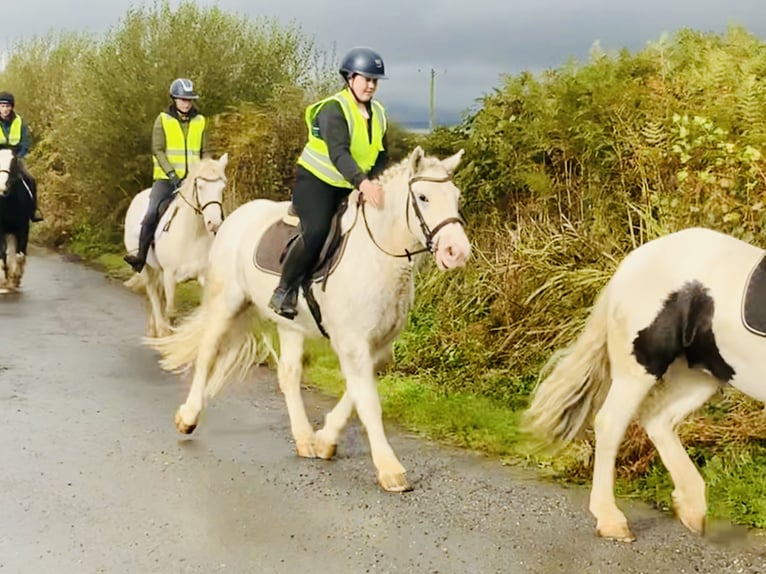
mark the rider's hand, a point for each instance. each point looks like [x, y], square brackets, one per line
[174, 181]
[372, 192]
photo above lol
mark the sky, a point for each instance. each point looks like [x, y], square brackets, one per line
[469, 43]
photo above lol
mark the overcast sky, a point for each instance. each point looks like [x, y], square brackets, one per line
[468, 42]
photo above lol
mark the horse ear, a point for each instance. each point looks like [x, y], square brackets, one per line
[224, 159]
[416, 160]
[451, 163]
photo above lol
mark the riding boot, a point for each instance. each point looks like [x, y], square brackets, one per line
[138, 260]
[285, 297]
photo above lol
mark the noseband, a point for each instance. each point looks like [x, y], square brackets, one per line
[428, 233]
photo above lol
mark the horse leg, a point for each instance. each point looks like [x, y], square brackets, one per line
[326, 439]
[157, 326]
[12, 262]
[21, 254]
[684, 391]
[169, 285]
[220, 315]
[630, 385]
[289, 372]
[357, 366]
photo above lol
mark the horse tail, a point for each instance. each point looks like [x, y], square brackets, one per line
[230, 343]
[575, 384]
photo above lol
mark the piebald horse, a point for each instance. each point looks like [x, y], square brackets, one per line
[681, 316]
[182, 240]
[364, 305]
[16, 207]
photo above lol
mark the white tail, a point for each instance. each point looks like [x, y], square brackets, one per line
[238, 349]
[579, 377]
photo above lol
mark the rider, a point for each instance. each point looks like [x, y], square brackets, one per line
[346, 150]
[14, 135]
[179, 140]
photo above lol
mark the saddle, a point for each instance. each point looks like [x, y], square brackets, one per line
[272, 248]
[754, 299]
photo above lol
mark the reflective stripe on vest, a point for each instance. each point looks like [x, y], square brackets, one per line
[14, 133]
[181, 151]
[316, 158]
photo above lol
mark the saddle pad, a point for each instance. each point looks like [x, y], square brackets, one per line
[273, 245]
[269, 251]
[754, 301]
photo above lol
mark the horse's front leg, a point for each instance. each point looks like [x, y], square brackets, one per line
[326, 439]
[358, 366]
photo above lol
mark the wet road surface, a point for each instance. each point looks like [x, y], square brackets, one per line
[95, 478]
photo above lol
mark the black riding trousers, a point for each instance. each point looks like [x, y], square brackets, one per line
[315, 203]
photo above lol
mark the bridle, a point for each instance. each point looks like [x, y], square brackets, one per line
[428, 233]
[197, 207]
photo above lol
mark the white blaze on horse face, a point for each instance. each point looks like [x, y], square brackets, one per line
[210, 195]
[439, 201]
[6, 158]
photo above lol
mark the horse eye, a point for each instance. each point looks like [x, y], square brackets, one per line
[422, 198]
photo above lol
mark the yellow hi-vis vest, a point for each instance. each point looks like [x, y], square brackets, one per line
[315, 156]
[14, 133]
[181, 152]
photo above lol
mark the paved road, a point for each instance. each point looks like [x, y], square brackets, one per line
[94, 477]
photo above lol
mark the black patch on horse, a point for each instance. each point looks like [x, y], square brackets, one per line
[754, 299]
[683, 327]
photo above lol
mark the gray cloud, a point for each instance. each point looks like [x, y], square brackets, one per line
[470, 42]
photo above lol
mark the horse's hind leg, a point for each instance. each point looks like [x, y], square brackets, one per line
[289, 373]
[630, 385]
[684, 391]
[169, 287]
[220, 315]
[156, 326]
[12, 276]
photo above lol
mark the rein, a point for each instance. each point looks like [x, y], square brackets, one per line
[428, 233]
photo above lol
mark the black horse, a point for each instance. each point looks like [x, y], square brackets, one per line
[16, 209]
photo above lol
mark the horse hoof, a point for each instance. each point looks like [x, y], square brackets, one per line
[182, 427]
[326, 451]
[394, 482]
[618, 532]
[305, 449]
[695, 524]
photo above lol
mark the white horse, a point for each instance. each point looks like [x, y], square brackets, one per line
[182, 240]
[363, 308]
[679, 319]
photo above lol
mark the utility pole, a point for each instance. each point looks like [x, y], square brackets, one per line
[431, 109]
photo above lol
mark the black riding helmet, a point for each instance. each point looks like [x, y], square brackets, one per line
[363, 61]
[7, 98]
[183, 88]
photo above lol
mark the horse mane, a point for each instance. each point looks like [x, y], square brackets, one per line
[206, 168]
[395, 170]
